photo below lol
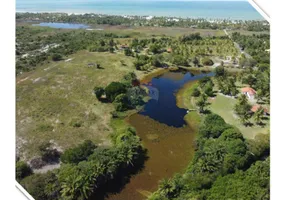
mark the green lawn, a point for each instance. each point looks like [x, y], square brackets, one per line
[223, 106]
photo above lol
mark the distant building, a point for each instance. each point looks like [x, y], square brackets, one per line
[256, 107]
[249, 92]
[169, 50]
[123, 46]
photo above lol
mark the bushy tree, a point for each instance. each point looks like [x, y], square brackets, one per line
[180, 60]
[155, 48]
[56, 57]
[196, 61]
[258, 115]
[207, 61]
[135, 96]
[201, 102]
[98, 91]
[196, 92]
[79, 153]
[242, 109]
[114, 89]
[220, 71]
[22, 170]
[213, 126]
[121, 102]
[42, 186]
[128, 52]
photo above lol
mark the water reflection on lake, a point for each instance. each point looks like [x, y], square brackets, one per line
[162, 106]
[62, 25]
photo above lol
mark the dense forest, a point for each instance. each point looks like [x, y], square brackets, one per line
[225, 165]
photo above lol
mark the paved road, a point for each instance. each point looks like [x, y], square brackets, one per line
[237, 46]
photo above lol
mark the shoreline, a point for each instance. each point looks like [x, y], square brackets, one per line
[147, 17]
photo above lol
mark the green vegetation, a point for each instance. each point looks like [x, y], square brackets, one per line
[222, 156]
[22, 170]
[242, 108]
[224, 106]
[88, 168]
[255, 45]
[58, 116]
[79, 153]
[207, 61]
[201, 23]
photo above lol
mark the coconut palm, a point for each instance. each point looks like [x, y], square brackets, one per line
[258, 116]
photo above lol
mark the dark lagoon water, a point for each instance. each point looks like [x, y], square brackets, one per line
[161, 128]
[162, 106]
[62, 25]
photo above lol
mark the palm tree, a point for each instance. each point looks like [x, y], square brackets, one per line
[258, 116]
[242, 109]
[166, 188]
[202, 102]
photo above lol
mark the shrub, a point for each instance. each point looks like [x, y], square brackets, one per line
[79, 153]
[48, 154]
[196, 92]
[121, 102]
[213, 126]
[207, 61]
[22, 170]
[42, 186]
[98, 91]
[56, 57]
[219, 71]
[230, 134]
[114, 89]
[37, 163]
[128, 52]
[180, 60]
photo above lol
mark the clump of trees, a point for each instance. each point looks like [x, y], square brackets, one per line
[57, 57]
[222, 156]
[87, 168]
[79, 153]
[242, 109]
[142, 62]
[124, 95]
[207, 61]
[113, 90]
[202, 92]
[22, 170]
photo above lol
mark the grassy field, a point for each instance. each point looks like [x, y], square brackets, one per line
[220, 105]
[244, 32]
[223, 106]
[157, 31]
[184, 100]
[56, 101]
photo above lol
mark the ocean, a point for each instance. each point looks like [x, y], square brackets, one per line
[235, 10]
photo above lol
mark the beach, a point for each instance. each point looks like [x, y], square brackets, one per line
[239, 10]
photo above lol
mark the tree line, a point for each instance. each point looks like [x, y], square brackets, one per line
[225, 165]
[250, 25]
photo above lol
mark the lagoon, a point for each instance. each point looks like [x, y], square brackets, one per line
[162, 106]
[62, 25]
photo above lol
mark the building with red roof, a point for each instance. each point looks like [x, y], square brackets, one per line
[249, 92]
[256, 107]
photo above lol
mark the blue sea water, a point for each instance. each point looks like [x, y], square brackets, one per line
[192, 9]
